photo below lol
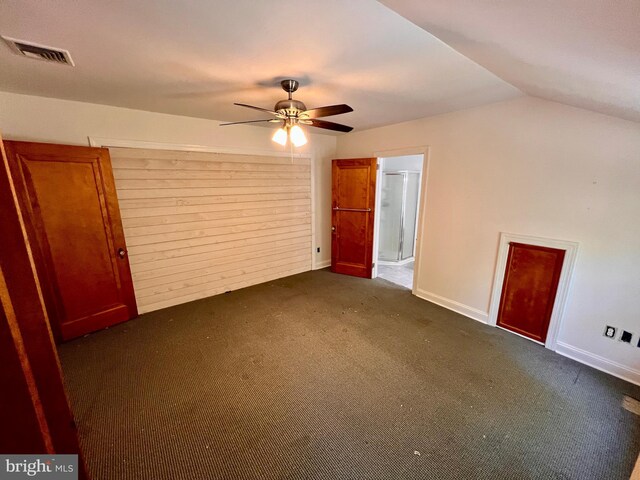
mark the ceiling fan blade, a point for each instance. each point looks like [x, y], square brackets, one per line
[326, 111]
[330, 125]
[256, 108]
[249, 121]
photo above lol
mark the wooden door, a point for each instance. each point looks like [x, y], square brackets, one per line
[529, 289]
[34, 412]
[68, 199]
[353, 204]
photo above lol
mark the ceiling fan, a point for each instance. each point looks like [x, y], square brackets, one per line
[293, 113]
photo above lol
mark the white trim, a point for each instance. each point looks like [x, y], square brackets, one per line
[422, 214]
[322, 264]
[376, 216]
[113, 142]
[564, 283]
[312, 167]
[423, 150]
[449, 304]
[402, 152]
[599, 363]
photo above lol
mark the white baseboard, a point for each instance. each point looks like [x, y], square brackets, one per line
[599, 363]
[457, 307]
[322, 264]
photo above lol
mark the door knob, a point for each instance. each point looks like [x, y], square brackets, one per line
[122, 252]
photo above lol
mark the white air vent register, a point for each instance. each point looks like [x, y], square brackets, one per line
[39, 52]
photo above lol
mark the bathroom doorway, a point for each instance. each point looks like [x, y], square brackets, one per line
[399, 183]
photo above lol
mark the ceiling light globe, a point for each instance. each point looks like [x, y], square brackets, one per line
[280, 136]
[297, 136]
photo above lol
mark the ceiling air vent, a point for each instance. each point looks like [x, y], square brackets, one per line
[39, 52]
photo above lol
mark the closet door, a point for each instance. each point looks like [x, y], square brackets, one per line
[69, 204]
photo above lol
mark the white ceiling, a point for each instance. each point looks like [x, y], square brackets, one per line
[584, 53]
[196, 58]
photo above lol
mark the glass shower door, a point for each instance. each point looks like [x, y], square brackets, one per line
[391, 216]
[410, 214]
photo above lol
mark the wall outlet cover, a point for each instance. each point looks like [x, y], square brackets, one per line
[626, 336]
[610, 332]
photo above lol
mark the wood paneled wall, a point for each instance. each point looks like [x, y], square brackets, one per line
[198, 224]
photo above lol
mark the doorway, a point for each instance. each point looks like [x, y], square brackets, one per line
[400, 179]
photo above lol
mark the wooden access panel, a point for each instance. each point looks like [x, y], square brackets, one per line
[353, 205]
[69, 203]
[529, 289]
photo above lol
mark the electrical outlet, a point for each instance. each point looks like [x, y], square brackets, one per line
[610, 332]
[318, 250]
[626, 336]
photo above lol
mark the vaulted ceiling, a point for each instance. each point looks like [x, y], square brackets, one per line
[197, 57]
[584, 53]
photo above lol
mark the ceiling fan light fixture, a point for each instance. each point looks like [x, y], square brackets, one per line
[293, 112]
[298, 137]
[280, 136]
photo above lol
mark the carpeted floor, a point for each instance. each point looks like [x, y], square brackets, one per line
[334, 377]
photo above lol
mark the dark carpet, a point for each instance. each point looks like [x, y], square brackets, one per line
[333, 377]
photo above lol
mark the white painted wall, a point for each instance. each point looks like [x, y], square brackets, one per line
[41, 119]
[533, 167]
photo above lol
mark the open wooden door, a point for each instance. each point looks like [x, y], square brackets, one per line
[353, 204]
[68, 199]
[34, 413]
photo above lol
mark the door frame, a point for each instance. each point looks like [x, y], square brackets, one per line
[562, 292]
[423, 150]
